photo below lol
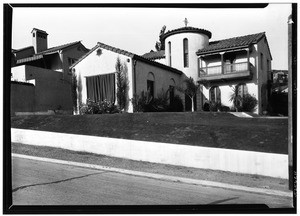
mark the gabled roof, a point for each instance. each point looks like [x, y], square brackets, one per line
[21, 49]
[51, 50]
[57, 48]
[126, 53]
[152, 55]
[231, 43]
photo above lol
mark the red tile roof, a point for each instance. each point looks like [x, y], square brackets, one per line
[152, 55]
[231, 43]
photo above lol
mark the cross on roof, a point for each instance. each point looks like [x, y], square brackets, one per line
[185, 22]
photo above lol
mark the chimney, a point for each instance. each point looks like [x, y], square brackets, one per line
[39, 40]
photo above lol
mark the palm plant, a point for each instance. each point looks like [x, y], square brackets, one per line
[235, 97]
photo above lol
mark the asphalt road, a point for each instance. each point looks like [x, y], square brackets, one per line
[43, 183]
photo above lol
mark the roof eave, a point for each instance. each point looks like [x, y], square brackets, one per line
[198, 53]
[137, 57]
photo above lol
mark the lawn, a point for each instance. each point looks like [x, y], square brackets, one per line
[219, 130]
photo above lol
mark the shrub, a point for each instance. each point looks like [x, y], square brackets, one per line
[146, 103]
[224, 108]
[176, 105]
[161, 103]
[142, 103]
[249, 103]
[206, 106]
[214, 106]
[103, 107]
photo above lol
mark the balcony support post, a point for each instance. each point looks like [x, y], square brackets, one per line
[222, 62]
[248, 59]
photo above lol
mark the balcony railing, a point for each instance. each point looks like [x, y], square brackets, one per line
[242, 69]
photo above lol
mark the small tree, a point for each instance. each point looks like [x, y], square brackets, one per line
[159, 45]
[236, 98]
[122, 83]
[190, 89]
[74, 91]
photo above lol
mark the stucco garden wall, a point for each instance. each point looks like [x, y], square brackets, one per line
[22, 97]
[51, 93]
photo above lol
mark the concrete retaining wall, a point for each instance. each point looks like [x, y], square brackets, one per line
[267, 164]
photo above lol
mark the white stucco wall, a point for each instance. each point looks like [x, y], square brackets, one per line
[162, 78]
[246, 162]
[196, 41]
[105, 63]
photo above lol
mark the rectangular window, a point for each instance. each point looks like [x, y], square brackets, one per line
[101, 87]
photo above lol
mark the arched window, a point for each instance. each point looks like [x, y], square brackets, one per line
[185, 52]
[170, 57]
[172, 91]
[215, 94]
[150, 83]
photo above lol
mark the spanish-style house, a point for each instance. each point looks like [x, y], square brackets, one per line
[243, 61]
[46, 72]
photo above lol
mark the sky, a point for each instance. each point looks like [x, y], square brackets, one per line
[137, 29]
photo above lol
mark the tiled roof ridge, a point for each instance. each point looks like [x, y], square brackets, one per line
[233, 42]
[238, 37]
[132, 55]
[154, 54]
[115, 49]
[58, 47]
[186, 29]
[17, 50]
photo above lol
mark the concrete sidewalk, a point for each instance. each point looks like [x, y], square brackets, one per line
[212, 178]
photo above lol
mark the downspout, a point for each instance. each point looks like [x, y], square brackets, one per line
[62, 65]
[134, 76]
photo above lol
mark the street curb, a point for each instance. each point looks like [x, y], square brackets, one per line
[161, 177]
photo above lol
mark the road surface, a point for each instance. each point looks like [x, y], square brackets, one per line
[43, 183]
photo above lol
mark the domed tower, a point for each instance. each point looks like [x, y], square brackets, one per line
[181, 46]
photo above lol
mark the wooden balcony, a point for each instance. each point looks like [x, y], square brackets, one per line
[242, 70]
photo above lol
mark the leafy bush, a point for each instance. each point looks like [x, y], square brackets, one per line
[146, 103]
[176, 105]
[103, 107]
[161, 103]
[142, 103]
[214, 106]
[249, 103]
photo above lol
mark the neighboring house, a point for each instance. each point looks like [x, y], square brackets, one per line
[244, 61]
[95, 74]
[48, 69]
